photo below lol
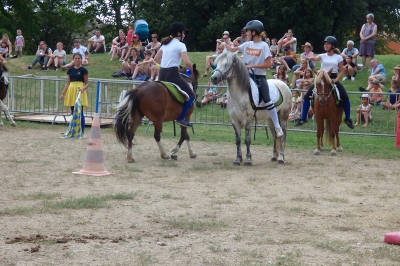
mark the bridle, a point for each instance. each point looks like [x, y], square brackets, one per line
[323, 96]
[224, 76]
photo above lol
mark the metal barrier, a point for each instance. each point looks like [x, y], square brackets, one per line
[40, 95]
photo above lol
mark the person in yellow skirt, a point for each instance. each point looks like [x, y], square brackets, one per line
[78, 80]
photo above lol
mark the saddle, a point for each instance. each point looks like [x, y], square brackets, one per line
[254, 95]
[175, 91]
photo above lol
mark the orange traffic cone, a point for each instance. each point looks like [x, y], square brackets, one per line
[94, 161]
[398, 131]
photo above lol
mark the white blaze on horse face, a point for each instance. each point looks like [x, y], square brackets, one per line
[5, 77]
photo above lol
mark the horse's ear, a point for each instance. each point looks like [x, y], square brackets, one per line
[194, 66]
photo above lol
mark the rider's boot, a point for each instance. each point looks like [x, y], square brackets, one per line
[181, 119]
[346, 108]
[304, 112]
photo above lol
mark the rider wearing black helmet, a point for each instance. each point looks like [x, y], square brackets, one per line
[257, 56]
[170, 55]
[329, 60]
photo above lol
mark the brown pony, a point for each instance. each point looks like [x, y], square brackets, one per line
[152, 99]
[3, 93]
[326, 109]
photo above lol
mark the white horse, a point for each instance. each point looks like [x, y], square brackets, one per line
[231, 68]
[3, 93]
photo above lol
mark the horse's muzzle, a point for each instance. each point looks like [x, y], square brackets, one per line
[215, 77]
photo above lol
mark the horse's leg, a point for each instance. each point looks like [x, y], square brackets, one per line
[157, 136]
[320, 131]
[332, 128]
[4, 107]
[184, 136]
[247, 140]
[338, 121]
[271, 126]
[136, 121]
[236, 127]
[1, 122]
[282, 141]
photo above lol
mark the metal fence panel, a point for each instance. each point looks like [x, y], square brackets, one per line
[40, 95]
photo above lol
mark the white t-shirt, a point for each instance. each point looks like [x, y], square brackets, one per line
[56, 52]
[255, 53]
[330, 61]
[171, 56]
[81, 50]
[101, 37]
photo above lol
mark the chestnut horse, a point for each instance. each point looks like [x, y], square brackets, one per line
[3, 93]
[326, 109]
[152, 99]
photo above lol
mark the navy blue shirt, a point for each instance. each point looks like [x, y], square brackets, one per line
[77, 74]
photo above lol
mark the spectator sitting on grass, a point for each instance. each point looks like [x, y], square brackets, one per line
[375, 98]
[377, 72]
[393, 98]
[364, 111]
[43, 55]
[351, 51]
[350, 69]
[288, 59]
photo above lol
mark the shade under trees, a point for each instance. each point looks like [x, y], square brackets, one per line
[311, 20]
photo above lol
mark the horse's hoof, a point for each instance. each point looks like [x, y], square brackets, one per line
[281, 161]
[248, 163]
[273, 159]
[174, 156]
[131, 160]
[165, 157]
[333, 153]
[193, 156]
[1, 124]
[339, 149]
[236, 163]
[13, 124]
[316, 152]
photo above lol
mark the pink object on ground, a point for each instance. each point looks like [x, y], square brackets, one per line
[392, 238]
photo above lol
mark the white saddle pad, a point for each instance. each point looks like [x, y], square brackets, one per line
[273, 93]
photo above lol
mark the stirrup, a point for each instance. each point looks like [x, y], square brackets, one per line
[183, 122]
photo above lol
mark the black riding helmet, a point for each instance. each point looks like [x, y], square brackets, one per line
[176, 27]
[255, 25]
[332, 40]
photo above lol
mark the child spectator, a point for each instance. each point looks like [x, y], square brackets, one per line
[393, 100]
[274, 47]
[281, 74]
[58, 57]
[298, 74]
[120, 50]
[3, 49]
[210, 60]
[211, 93]
[7, 41]
[364, 111]
[350, 69]
[19, 43]
[129, 34]
[375, 98]
[240, 40]
[397, 75]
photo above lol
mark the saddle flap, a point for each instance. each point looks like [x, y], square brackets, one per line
[176, 92]
[274, 94]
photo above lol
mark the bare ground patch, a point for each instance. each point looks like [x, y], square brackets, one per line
[314, 210]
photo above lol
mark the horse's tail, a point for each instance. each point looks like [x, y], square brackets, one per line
[125, 111]
[328, 128]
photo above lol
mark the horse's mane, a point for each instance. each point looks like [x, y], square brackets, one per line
[240, 70]
[322, 74]
[3, 68]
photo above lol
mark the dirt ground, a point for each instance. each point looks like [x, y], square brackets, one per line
[313, 210]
